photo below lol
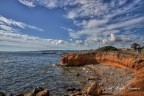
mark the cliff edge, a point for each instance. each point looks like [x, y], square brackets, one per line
[130, 61]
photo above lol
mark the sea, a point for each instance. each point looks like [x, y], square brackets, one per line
[21, 72]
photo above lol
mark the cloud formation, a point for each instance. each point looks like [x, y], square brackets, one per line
[7, 24]
[28, 3]
[10, 35]
[101, 22]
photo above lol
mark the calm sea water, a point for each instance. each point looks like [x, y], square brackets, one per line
[23, 71]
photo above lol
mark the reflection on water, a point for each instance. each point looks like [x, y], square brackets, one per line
[22, 72]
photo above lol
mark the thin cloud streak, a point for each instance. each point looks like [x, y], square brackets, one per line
[11, 23]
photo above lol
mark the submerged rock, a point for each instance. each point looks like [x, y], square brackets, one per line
[71, 89]
[37, 90]
[2, 94]
[21, 94]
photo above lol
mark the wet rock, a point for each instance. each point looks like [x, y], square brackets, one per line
[71, 89]
[2, 94]
[31, 94]
[21, 94]
[75, 93]
[37, 90]
[94, 89]
[78, 89]
[78, 93]
[43, 93]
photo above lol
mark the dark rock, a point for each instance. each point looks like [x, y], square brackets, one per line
[78, 89]
[91, 78]
[77, 74]
[2, 94]
[11, 94]
[31, 94]
[20, 94]
[71, 89]
[37, 90]
[43, 93]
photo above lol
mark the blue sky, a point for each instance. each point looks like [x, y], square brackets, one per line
[70, 24]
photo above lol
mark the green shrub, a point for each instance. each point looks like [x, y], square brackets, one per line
[134, 45]
[107, 48]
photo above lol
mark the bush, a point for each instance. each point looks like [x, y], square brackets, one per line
[107, 48]
[134, 46]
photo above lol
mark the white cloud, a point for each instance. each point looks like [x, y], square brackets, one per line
[48, 3]
[71, 15]
[23, 40]
[9, 22]
[28, 3]
[11, 36]
[101, 21]
[34, 43]
[7, 28]
[99, 29]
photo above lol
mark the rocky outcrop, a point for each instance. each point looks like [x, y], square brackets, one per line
[38, 91]
[130, 61]
[43, 93]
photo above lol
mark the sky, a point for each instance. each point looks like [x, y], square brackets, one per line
[29, 25]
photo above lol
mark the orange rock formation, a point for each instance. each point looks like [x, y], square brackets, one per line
[130, 61]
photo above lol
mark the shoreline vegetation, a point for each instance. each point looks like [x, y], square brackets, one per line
[125, 59]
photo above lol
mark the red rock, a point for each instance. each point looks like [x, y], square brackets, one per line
[122, 59]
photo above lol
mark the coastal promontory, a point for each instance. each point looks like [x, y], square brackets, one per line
[124, 59]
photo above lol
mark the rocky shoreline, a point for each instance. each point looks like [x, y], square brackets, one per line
[38, 91]
[98, 75]
[130, 61]
[107, 74]
[108, 80]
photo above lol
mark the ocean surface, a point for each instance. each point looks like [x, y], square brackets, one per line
[23, 71]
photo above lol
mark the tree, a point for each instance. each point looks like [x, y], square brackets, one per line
[134, 46]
